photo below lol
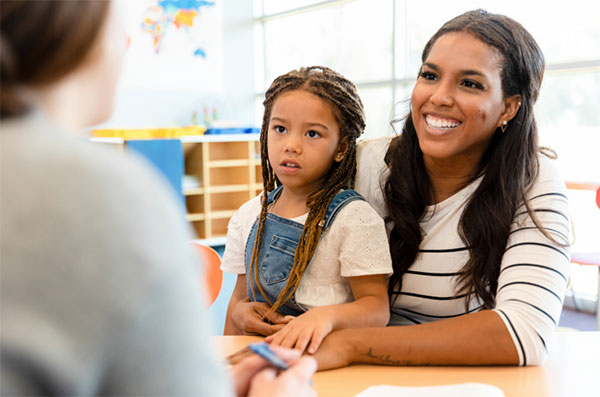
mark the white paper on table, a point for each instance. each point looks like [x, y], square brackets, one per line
[458, 390]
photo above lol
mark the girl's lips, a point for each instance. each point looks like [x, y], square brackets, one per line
[290, 167]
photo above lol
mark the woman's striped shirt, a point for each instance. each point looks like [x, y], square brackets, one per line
[534, 269]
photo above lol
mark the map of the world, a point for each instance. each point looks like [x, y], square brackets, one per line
[165, 16]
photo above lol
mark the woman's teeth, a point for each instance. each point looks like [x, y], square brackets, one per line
[437, 122]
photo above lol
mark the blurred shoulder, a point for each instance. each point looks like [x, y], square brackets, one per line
[373, 147]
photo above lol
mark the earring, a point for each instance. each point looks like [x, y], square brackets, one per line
[503, 126]
[339, 156]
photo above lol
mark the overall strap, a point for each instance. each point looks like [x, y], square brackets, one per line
[274, 194]
[338, 202]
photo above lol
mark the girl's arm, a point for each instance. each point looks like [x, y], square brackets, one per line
[473, 339]
[369, 309]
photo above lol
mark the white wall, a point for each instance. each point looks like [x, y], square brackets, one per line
[145, 100]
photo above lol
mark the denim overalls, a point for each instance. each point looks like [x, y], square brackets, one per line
[277, 249]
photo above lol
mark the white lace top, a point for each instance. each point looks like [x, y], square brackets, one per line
[354, 245]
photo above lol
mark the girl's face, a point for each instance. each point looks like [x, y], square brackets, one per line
[457, 102]
[303, 140]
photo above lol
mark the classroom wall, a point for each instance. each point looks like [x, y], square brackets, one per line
[164, 89]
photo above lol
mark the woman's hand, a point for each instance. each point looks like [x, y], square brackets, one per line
[254, 375]
[336, 350]
[253, 318]
[307, 330]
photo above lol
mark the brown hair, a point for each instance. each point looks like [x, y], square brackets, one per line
[509, 165]
[42, 41]
[341, 94]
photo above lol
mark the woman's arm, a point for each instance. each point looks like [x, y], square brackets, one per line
[535, 268]
[531, 286]
[369, 309]
[473, 339]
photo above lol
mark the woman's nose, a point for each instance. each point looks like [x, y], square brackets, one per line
[442, 95]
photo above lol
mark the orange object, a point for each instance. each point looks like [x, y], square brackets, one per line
[185, 18]
[213, 275]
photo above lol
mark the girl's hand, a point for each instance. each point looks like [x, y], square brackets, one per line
[308, 329]
[256, 318]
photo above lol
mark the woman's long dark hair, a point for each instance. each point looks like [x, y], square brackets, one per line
[509, 165]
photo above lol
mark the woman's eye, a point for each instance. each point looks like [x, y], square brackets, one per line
[280, 129]
[472, 84]
[428, 75]
[313, 134]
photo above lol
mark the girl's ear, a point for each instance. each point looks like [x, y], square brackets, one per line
[341, 150]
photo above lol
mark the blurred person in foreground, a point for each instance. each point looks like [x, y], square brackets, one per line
[99, 283]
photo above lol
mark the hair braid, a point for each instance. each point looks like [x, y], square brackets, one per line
[341, 94]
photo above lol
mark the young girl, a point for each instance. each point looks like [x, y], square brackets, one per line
[309, 247]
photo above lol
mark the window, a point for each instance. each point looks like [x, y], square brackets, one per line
[377, 44]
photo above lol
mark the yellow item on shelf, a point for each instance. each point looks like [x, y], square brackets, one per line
[149, 133]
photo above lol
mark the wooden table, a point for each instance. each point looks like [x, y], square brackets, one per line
[572, 369]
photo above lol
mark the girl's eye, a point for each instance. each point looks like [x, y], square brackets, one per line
[428, 75]
[472, 84]
[313, 134]
[280, 129]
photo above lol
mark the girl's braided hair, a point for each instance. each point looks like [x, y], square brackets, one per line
[347, 107]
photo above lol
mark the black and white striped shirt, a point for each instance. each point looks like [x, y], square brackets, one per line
[534, 269]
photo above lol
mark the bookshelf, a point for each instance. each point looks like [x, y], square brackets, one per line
[227, 171]
[221, 172]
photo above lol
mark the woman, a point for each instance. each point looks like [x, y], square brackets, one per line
[477, 214]
[99, 286]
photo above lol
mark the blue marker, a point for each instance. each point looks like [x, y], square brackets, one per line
[263, 350]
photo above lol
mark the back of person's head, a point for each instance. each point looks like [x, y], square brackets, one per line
[41, 42]
[340, 93]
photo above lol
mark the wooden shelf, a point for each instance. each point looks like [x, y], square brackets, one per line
[222, 214]
[228, 171]
[230, 175]
[228, 163]
[227, 188]
[195, 217]
[193, 191]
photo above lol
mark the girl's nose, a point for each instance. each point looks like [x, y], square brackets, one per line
[293, 144]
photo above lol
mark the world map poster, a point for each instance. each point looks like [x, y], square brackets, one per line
[176, 45]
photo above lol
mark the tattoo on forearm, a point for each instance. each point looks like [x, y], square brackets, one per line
[384, 358]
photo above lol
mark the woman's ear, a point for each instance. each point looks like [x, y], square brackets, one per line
[342, 149]
[511, 107]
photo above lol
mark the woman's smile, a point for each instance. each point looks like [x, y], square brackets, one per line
[440, 125]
